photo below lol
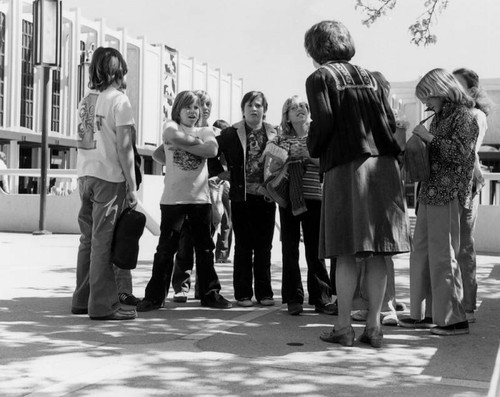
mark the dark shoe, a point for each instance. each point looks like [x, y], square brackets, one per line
[470, 317]
[128, 299]
[75, 310]
[120, 314]
[461, 328]
[417, 324]
[373, 336]
[330, 308]
[343, 336]
[267, 302]
[147, 306]
[295, 308]
[180, 297]
[216, 301]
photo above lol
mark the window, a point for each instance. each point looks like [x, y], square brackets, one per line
[2, 67]
[27, 76]
[55, 121]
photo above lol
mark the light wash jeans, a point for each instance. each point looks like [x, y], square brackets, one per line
[102, 203]
[467, 255]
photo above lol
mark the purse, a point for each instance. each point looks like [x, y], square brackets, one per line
[128, 230]
[416, 160]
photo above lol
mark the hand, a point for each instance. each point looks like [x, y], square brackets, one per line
[132, 198]
[422, 133]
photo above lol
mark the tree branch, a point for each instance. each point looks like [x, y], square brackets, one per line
[420, 31]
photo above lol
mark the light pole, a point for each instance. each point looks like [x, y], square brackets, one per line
[47, 18]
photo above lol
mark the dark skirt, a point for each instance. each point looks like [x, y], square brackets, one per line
[364, 209]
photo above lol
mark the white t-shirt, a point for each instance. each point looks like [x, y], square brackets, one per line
[100, 114]
[186, 175]
[483, 126]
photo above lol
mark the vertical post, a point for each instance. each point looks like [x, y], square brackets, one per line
[45, 147]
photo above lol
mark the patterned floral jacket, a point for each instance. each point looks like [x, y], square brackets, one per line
[452, 155]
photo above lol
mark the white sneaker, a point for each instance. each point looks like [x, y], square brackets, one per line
[180, 297]
[390, 318]
[245, 303]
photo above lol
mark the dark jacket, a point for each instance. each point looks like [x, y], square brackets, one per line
[351, 116]
[232, 145]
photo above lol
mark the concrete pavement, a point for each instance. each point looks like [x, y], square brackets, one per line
[185, 349]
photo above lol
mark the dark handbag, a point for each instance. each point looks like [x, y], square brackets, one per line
[416, 160]
[128, 231]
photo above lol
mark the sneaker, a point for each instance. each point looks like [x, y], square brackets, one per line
[267, 302]
[216, 301]
[147, 305]
[390, 318]
[360, 315]
[330, 309]
[470, 317]
[244, 302]
[295, 308]
[452, 329]
[128, 299]
[180, 297]
[417, 324]
[400, 307]
[120, 314]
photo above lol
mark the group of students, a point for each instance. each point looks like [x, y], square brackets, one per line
[332, 166]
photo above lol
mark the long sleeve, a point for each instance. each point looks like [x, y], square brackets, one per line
[322, 125]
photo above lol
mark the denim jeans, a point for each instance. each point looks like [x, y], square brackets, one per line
[102, 203]
[123, 279]
[224, 237]
[199, 217]
[184, 261]
[318, 281]
[467, 255]
[253, 226]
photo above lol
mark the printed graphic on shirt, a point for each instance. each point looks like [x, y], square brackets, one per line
[186, 161]
[254, 165]
[86, 127]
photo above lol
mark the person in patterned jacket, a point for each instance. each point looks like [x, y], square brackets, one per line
[436, 291]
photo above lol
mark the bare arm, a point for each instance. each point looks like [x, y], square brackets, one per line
[207, 148]
[126, 159]
[174, 134]
[159, 155]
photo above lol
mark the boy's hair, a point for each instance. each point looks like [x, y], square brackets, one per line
[442, 84]
[483, 101]
[221, 124]
[183, 100]
[251, 96]
[107, 67]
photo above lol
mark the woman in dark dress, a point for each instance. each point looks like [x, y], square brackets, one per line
[363, 212]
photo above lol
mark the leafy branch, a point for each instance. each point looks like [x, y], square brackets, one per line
[420, 31]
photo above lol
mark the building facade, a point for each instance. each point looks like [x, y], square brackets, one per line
[157, 73]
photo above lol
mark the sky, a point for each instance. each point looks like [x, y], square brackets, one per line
[262, 41]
